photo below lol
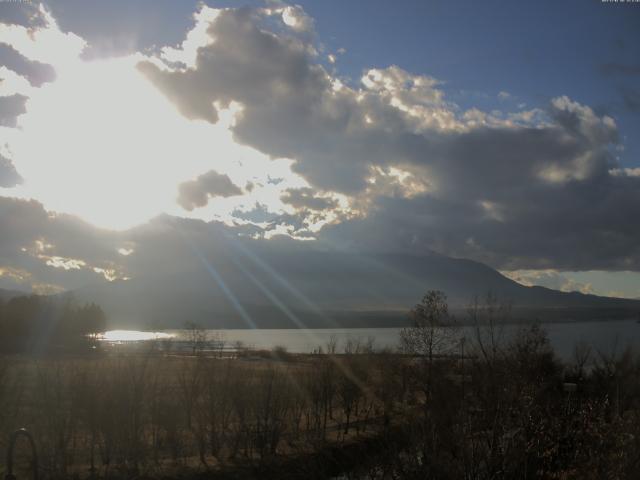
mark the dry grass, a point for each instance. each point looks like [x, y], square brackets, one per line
[154, 413]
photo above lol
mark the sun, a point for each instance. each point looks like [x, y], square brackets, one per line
[103, 143]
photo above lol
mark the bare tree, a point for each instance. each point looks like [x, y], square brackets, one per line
[488, 319]
[432, 331]
[582, 355]
[196, 336]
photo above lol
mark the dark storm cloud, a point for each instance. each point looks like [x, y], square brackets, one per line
[9, 177]
[196, 193]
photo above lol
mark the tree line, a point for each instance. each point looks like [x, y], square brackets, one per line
[39, 324]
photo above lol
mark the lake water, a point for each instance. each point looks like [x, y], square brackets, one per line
[604, 336]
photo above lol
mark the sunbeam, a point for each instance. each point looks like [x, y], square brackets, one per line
[219, 281]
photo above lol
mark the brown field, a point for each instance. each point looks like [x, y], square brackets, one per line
[489, 408]
[153, 413]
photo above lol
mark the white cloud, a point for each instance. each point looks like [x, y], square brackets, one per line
[46, 44]
[197, 37]
[11, 83]
[625, 172]
[550, 279]
[296, 18]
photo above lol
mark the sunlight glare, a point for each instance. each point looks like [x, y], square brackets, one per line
[132, 336]
[102, 143]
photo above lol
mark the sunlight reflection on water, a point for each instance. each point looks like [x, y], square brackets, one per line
[132, 336]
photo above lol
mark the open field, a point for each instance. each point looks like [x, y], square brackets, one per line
[152, 413]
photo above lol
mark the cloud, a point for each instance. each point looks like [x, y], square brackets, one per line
[21, 13]
[625, 172]
[384, 163]
[549, 279]
[36, 73]
[9, 177]
[307, 198]
[526, 189]
[196, 38]
[144, 130]
[296, 18]
[40, 247]
[10, 108]
[293, 108]
[196, 193]
[553, 200]
[54, 249]
[46, 44]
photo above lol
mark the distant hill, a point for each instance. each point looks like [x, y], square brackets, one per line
[8, 294]
[327, 289]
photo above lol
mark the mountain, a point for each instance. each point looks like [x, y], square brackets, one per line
[302, 288]
[8, 294]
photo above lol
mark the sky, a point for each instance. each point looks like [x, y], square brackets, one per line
[504, 132]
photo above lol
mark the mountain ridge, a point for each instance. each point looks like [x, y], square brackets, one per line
[328, 289]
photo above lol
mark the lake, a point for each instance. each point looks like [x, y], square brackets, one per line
[605, 336]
